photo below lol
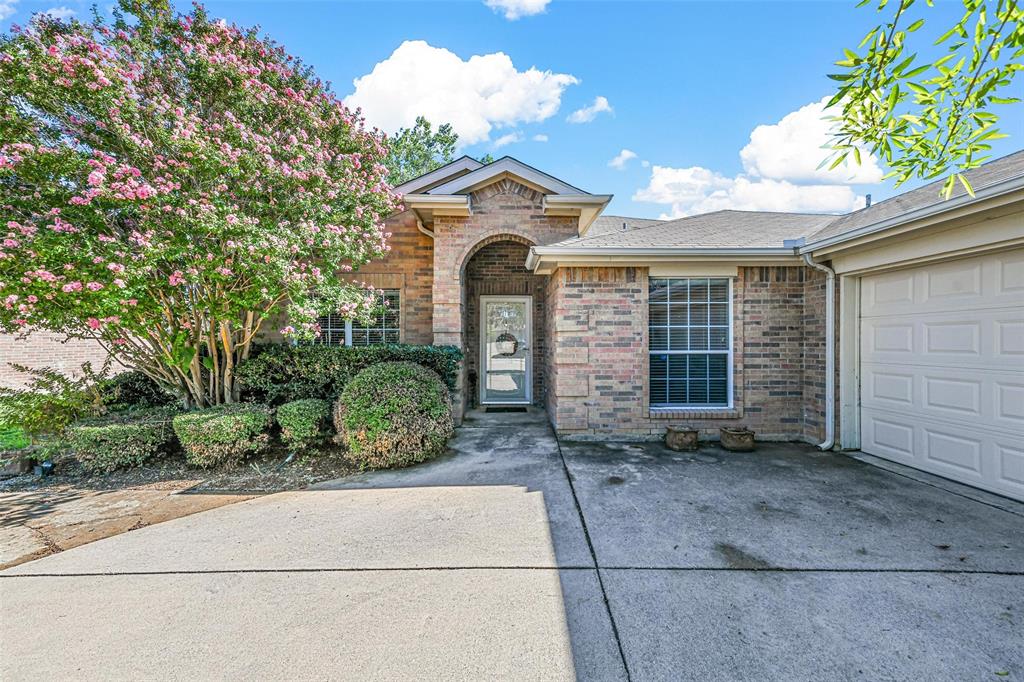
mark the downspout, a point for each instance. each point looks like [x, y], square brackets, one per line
[830, 352]
[422, 228]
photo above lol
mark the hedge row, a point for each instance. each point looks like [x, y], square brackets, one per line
[122, 441]
[279, 373]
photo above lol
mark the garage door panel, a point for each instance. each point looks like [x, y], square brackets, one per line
[942, 369]
[1010, 466]
[948, 284]
[1008, 397]
[970, 284]
[986, 338]
[966, 396]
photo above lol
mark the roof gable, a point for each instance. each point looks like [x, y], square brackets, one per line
[445, 173]
[506, 167]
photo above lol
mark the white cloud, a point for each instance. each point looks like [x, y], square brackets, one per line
[781, 173]
[645, 163]
[793, 148]
[589, 113]
[623, 157]
[7, 8]
[474, 95]
[694, 190]
[61, 13]
[540, 137]
[508, 139]
[514, 9]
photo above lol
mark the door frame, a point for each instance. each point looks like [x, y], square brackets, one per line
[482, 389]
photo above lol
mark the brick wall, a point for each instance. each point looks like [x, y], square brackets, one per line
[500, 210]
[43, 349]
[409, 267]
[498, 269]
[598, 365]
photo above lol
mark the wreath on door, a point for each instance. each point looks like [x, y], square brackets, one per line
[508, 344]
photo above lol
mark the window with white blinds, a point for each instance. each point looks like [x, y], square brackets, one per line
[690, 328]
[385, 328]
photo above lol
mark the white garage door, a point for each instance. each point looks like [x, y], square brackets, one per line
[942, 369]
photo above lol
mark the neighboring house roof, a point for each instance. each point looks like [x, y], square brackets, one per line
[720, 229]
[607, 224]
[986, 176]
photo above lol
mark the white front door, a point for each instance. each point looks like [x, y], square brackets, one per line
[506, 340]
[942, 369]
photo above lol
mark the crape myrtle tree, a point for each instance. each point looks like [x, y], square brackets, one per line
[930, 115]
[171, 184]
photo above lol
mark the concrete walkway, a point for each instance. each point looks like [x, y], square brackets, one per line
[516, 557]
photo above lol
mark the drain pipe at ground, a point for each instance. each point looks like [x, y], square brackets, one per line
[830, 352]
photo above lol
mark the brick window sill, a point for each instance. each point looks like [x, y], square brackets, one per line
[683, 413]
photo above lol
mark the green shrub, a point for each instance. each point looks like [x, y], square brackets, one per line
[222, 435]
[394, 414]
[50, 401]
[133, 390]
[121, 441]
[279, 373]
[304, 422]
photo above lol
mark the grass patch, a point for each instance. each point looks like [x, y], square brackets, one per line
[12, 438]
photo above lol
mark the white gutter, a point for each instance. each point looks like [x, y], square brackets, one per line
[989, 192]
[536, 252]
[830, 352]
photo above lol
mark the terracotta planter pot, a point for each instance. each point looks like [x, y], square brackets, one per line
[737, 440]
[681, 438]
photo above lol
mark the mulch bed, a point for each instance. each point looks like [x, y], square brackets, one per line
[266, 473]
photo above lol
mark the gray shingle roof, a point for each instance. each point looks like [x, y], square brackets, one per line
[989, 174]
[608, 224]
[721, 229]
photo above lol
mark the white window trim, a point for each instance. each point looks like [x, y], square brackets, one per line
[730, 403]
[348, 323]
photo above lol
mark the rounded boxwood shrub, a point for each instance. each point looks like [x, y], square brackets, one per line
[224, 434]
[304, 422]
[121, 441]
[394, 414]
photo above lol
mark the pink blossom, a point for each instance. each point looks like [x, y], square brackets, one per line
[176, 278]
[93, 323]
[94, 286]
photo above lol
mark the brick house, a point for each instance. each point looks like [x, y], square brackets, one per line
[897, 329]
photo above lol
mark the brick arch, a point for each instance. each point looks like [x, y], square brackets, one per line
[502, 235]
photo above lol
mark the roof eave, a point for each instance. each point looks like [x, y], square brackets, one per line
[539, 254]
[928, 212]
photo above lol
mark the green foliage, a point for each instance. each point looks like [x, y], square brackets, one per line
[304, 422]
[133, 391]
[172, 182]
[12, 438]
[928, 119]
[278, 373]
[394, 414]
[122, 441]
[50, 401]
[224, 434]
[415, 151]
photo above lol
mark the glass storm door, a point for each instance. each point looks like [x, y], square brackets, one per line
[505, 340]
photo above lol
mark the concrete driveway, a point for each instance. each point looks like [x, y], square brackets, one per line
[518, 558]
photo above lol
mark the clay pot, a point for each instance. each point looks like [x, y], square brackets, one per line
[681, 438]
[737, 440]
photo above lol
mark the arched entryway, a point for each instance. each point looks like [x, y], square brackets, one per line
[504, 324]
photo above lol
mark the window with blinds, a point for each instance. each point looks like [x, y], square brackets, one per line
[690, 342]
[385, 328]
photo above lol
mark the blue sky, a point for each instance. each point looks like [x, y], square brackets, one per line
[686, 84]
